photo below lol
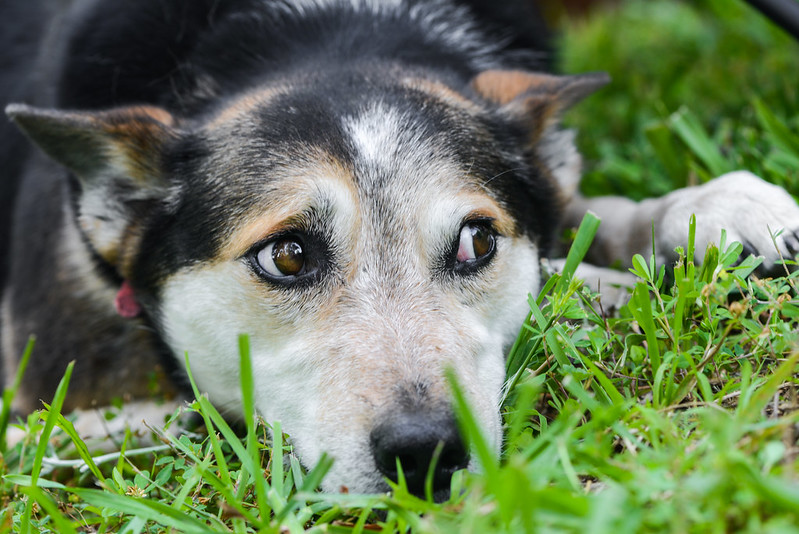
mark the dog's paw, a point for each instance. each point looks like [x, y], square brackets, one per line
[750, 209]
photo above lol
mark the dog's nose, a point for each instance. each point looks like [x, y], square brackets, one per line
[413, 438]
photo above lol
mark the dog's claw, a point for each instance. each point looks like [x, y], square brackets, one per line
[791, 242]
[748, 250]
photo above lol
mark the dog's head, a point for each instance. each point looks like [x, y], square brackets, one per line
[367, 232]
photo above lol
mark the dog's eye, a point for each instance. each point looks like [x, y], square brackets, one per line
[476, 244]
[282, 258]
[291, 260]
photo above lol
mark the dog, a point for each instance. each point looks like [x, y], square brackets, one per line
[366, 188]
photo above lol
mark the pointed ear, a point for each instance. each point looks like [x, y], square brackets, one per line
[536, 97]
[117, 157]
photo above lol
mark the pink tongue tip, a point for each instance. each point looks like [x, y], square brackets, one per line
[125, 302]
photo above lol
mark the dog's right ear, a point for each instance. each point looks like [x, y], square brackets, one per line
[536, 98]
[117, 157]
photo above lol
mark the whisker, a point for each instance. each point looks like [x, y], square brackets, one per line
[500, 174]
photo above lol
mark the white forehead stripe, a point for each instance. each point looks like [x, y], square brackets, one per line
[423, 183]
[375, 134]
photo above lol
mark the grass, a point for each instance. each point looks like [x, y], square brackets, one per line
[678, 414]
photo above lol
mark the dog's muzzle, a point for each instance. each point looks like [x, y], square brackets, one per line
[412, 438]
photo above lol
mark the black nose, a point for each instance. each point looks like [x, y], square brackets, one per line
[413, 438]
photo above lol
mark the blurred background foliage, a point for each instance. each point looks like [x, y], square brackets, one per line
[699, 87]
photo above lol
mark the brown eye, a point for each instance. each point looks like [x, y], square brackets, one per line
[281, 258]
[476, 241]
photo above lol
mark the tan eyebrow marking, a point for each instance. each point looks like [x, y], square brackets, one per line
[244, 104]
[298, 189]
[259, 228]
[486, 207]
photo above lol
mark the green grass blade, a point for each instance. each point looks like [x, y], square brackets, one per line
[80, 446]
[765, 393]
[641, 308]
[314, 478]
[689, 129]
[579, 248]
[607, 385]
[250, 418]
[10, 392]
[277, 459]
[781, 135]
[672, 158]
[213, 419]
[50, 420]
[470, 428]
[62, 524]
[431, 469]
[220, 457]
[146, 508]
[25, 480]
[44, 438]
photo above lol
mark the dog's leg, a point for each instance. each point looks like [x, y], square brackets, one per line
[750, 209]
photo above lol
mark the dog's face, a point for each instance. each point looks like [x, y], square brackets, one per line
[366, 235]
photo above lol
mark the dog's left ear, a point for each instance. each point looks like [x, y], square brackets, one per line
[116, 156]
[535, 97]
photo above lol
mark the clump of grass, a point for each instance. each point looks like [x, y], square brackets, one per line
[678, 414]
